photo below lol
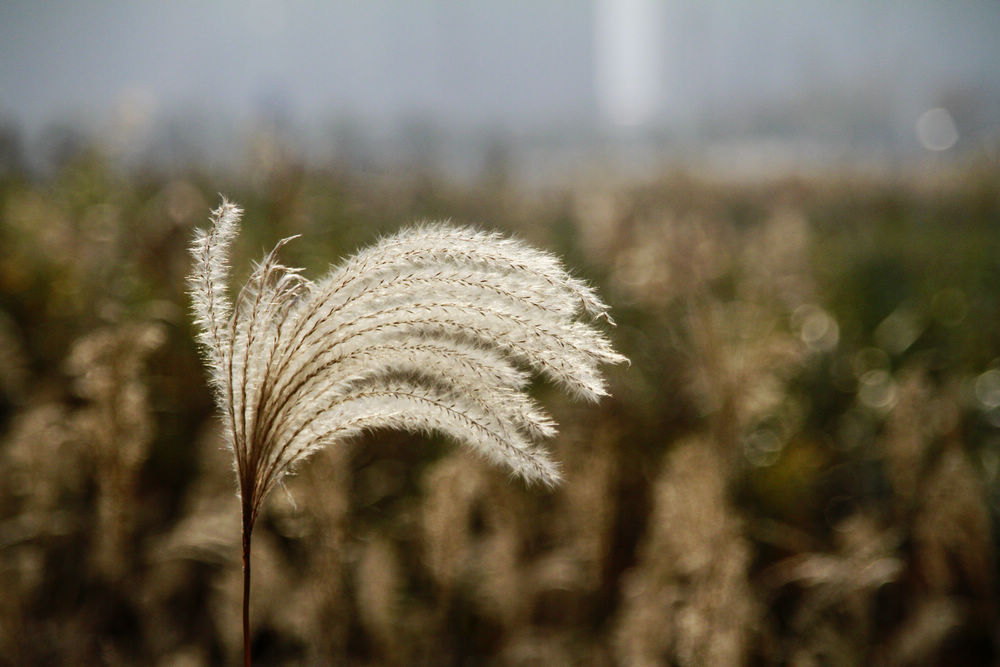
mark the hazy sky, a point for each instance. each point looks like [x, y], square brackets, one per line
[511, 64]
[524, 61]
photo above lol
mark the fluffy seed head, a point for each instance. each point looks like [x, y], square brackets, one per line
[434, 329]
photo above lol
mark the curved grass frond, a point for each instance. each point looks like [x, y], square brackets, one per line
[451, 311]
[434, 329]
[208, 283]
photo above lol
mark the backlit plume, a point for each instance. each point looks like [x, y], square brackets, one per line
[434, 329]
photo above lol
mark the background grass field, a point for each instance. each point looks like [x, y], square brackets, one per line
[799, 467]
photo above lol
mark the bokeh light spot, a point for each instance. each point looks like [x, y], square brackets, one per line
[878, 390]
[817, 329]
[988, 388]
[936, 130]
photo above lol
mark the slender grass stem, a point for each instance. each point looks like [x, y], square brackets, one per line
[247, 533]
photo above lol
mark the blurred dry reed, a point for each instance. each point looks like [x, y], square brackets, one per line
[799, 467]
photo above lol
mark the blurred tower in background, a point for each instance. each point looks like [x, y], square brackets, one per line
[628, 56]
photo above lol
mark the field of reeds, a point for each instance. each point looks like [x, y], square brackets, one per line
[800, 466]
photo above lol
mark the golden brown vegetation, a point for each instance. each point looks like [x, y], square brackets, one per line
[799, 467]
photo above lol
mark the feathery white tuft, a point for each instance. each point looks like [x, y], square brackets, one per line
[430, 330]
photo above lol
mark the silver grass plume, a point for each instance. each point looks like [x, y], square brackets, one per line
[433, 329]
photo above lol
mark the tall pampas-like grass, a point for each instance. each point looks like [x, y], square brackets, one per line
[434, 329]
